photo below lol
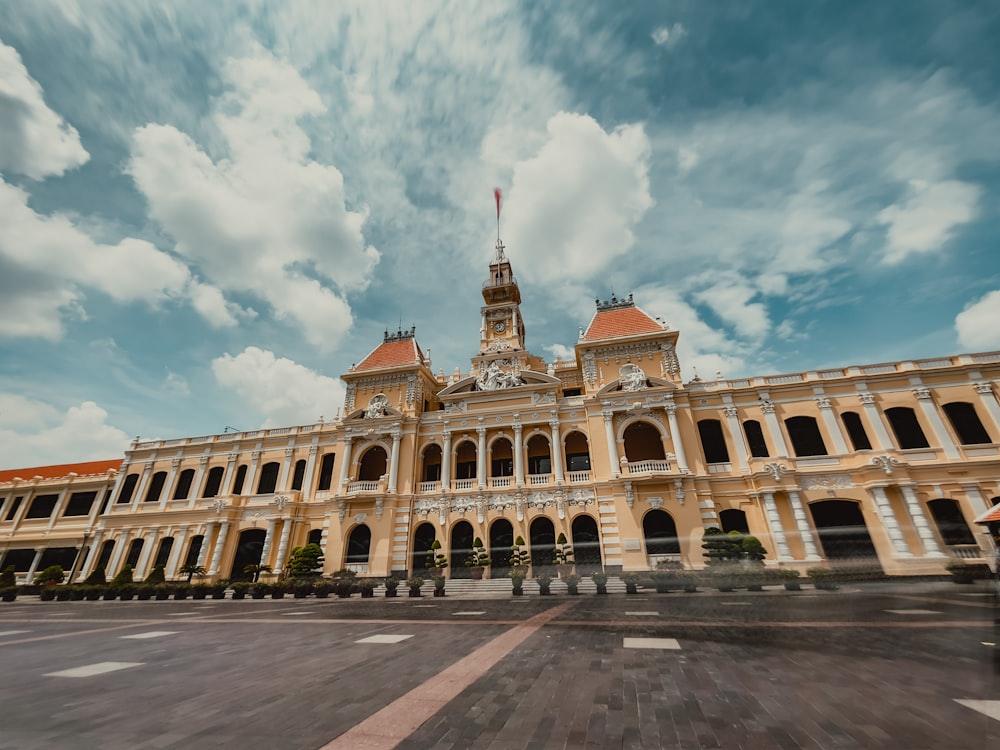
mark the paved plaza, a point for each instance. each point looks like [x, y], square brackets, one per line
[866, 666]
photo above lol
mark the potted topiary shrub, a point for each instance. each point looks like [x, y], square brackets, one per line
[240, 589]
[77, 593]
[219, 589]
[51, 576]
[62, 592]
[127, 592]
[391, 584]
[96, 578]
[725, 577]
[414, 583]
[631, 581]
[144, 592]
[301, 588]
[601, 581]
[47, 593]
[124, 577]
[162, 591]
[258, 590]
[961, 571]
[477, 560]
[367, 586]
[436, 561]
[344, 581]
[572, 582]
[544, 583]
[563, 556]
[789, 577]
[8, 594]
[688, 581]
[661, 581]
[156, 576]
[8, 577]
[181, 591]
[277, 590]
[200, 590]
[822, 578]
[439, 582]
[517, 581]
[322, 588]
[93, 593]
[519, 559]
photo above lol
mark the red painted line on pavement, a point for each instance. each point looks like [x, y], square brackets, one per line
[392, 724]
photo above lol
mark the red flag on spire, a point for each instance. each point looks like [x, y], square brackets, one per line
[496, 194]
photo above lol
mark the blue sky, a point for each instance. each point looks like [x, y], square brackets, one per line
[211, 210]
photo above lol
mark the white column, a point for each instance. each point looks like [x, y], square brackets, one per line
[116, 557]
[175, 553]
[937, 425]
[226, 488]
[123, 472]
[556, 443]
[58, 508]
[777, 437]
[742, 455]
[989, 399]
[518, 455]
[931, 548]
[206, 542]
[889, 522]
[199, 478]
[394, 462]
[345, 465]
[777, 531]
[140, 571]
[248, 485]
[830, 420]
[88, 563]
[307, 478]
[882, 439]
[265, 550]
[446, 461]
[140, 489]
[286, 532]
[26, 498]
[481, 457]
[675, 433]
[282, 484]
[168, 486]
[39, 551]
[976, 499]
[219, 545]
[609, 437]
[802, 523]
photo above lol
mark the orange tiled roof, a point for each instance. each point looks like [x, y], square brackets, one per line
[626, 320]
[392, 354]
[992, 516]
[61, 470]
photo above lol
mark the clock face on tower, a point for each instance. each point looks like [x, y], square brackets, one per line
[500, 326]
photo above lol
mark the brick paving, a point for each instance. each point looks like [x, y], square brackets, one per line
[817, 670]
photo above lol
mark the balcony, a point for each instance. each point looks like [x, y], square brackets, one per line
[364, 485]
[501, 482]
[534, 479]
[965, 551]
[465, 484]
[578, 476]
[648, 467]
[429, 486]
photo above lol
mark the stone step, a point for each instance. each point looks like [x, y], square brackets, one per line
[502, 586]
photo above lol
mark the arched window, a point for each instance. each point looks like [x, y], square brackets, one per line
[241, 477]
[299, 474]
[268, 481]
[184, 481]
[713, 442]
[577, 452]
[734, 520]
[856, 431]
[315, 536]
[214, 481]
[539, 459]
[966, 423]
[755, 439]
[541, 543]
[806, 438]
[906, 428]
[660, 533]
[423, 538]
[156, 486]
[502, 459]
[501, 540]
[104, 556]
[460, 549]
[586, 544]
[163, 553]
[465, 460]
[432, 463]
[134, 551]
[358, 547]
[373, 464]
[128, 487]
[326, 471]
[643, 443]
[950, 522]
[194, 549]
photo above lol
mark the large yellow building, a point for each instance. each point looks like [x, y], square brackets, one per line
[888, 464]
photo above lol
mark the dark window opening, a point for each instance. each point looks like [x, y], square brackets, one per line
[539, 465]
[105, 555]
[734, 520]
[42, 506]
[184, 481]
[13, 507]
[806, 438]
[104, 502]
[134, 551]
[567, 392]
[194, 550]
[241, 477]
[713, 442]
[214, 482]
[856, 431]
[950, 522]
[326, 471]
[80, 504]
[432, 463]
[643, 442]
[128, 487]
[358, 545]
[906, 428]
[660, 533]
[966, 423]
[373, 464]
[465, 460]
[755, 439]
[163, 553]
[465, 470]
[21, 559]
[156, 486]
[315, 536]
[268, 481]
[299, 474]
[577, 462]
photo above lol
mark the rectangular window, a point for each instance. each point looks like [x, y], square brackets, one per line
[568, 392]
[241, 475]
[502, 467]
[214, 482]
[299, 475]
[578, 462]
[432, 473]
[80, 504]
[326, 471]
[42, 506]
[539, 465]
[13, 508]
[465, 470]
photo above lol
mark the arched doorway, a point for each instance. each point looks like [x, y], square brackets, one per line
[843, 533]
[542, 545]
[248, 552]
[586, 545]
[460, 549]
[359, 545]
[660, 534]
[950, 522]
[423, 538]
[643, 443]
[501, 540]
[373, 464]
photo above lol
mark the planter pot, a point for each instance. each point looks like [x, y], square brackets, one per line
[825, 586]
[198, 594]
[544, 590]
[564, 570]
[77, 595]
[258, 594]
[602, 590]
[93, 596]
[109, 596]
[127, 596]
[631, 588]
[322, 594]
[367, 593]
[9, 595]
[219, 594]
[302, 594]
[180, 595]
[47, 595]
[518, 592]
[691, 589]
[277, 594]
[415, 592]
[793, 586]
[63, 596]
[390, 593]
[343, 594]
[662, 588]
[477, 573]
[144, 596]
[572, 590]
[438, 592]
[239, 594]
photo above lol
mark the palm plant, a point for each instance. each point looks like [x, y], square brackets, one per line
[256, 569]
[192, 570]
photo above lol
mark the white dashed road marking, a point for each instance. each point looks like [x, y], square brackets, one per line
[660, 643]
[384, 639]
[149, 634]
[95, 669]
[987, 708]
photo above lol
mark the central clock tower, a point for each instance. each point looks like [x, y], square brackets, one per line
[502, 328]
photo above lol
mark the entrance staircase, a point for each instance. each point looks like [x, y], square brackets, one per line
[500, 588]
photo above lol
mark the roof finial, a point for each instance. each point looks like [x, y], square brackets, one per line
[499, 247]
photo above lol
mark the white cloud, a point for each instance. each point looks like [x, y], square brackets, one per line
[176, 384]
[561, 351]
[687, 159]
[925, 219]
[573, 206]
[34, 433]
[282, 391]
[732, 302]
[36, 141]
[978, 325]
[668, 36]
[268, 220]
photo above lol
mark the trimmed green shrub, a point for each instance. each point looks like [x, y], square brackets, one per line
[156, 575]
[124, 577]
[51, 575]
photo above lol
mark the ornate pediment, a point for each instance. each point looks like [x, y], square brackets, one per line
[524, 379]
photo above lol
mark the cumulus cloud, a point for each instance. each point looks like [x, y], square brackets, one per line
[573, 206]
[927, 216]
[732, 302]
[267, 220]
[977, 325]
[282, 391]
[668, 36]
[32, 432]
[36, 141]
[561, 351]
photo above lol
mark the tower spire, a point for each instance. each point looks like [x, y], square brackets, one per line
[499, 247]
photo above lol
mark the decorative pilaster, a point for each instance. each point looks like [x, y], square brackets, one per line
[175, 553]
[931, 548]
[120, 544]
[60, 504]
[142, 564]
[265, 550]
[518, 454]
[802, 523]
[168, 485]
[248, 486]
[394, 462]
[33, 568]
[286, 532]
[446, 461]
[140, 490]
[286, 466]
[307, 478]
[219, 546]
[989, 399]
[675, 435]
[777, 436]
[777, 531]
[206, 542]
[830, 421]
[92, 553]
[609, 436]
[345, 464]
[199, 478]
[937, 424]
[556, 443]
[742, 455]
[481, 457]
[882, 440]
[889, 522]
